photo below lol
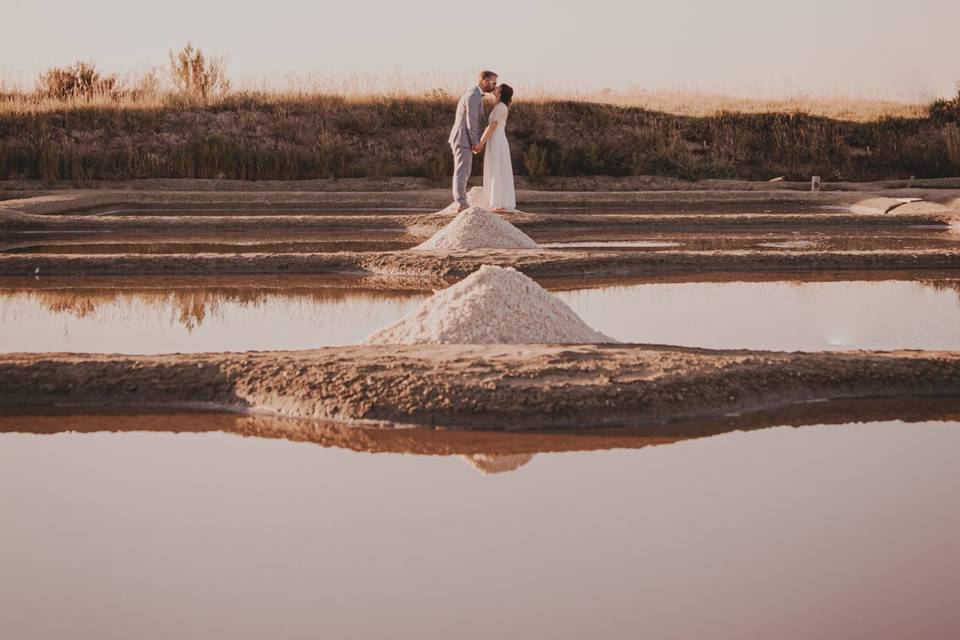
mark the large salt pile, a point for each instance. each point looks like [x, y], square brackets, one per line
[477, 228]
[494, 305]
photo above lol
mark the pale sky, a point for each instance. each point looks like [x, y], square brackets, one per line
[908, 50]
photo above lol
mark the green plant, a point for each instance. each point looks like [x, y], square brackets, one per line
[535, 162]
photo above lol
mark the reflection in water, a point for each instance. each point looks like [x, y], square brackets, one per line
[613, 244]
[727, 239]
[741, 536]
[494, 451]
[493, 464]
[159, 315]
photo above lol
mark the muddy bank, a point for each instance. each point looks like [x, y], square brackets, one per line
[423, 225]
[536, 264]
[64, 201]
[10, 188]
[480, 387]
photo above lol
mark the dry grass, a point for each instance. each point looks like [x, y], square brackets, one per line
[374, 126]
[146, 91]
[855, 108]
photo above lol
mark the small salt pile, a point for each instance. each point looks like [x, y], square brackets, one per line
[475, 198]
[477, 228]
[494, 305]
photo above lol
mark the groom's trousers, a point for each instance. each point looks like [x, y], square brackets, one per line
[462, 166]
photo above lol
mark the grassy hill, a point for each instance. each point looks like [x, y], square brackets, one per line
[251, 136]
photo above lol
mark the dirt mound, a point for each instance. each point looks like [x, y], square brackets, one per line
[477, 228]
[493, 305]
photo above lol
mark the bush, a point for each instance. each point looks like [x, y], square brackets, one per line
[951, 136]
[197, 77]
[946, 110]
[81, 80]
[535, 162]
[439, 167]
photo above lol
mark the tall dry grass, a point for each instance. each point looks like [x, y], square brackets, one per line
[309, 127]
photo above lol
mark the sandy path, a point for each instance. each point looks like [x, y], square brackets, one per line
[488, 387]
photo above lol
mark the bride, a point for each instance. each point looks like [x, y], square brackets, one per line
[498, 191]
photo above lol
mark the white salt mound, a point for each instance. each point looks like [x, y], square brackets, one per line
[474, 199]
[494, 305]
[477, 228]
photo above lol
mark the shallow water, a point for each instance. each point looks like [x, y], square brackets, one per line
[159, 535]
[160, 315]
[111, 243]
[738, 238]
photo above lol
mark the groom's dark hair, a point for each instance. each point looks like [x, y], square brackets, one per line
[486, 75]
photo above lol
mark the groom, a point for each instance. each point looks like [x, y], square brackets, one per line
[465, 135]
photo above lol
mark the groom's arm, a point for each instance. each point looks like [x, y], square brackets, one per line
[474, 108]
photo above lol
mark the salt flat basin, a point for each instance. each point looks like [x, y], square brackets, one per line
[266, 241]
[279, 241]
[249, 535]
[149, 314]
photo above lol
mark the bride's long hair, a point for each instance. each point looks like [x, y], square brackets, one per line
[506, 94]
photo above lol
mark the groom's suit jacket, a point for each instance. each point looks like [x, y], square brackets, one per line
[466, 130]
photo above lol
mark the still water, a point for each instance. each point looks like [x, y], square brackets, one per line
[846, 531]
[156, 315]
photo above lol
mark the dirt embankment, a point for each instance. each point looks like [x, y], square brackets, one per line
[536, 264]
[487, 387]
[196, 196]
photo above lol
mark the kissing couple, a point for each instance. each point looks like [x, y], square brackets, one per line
[468, 139]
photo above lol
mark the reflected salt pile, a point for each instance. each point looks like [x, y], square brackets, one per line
[493, 464]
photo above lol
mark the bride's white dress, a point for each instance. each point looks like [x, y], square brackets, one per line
[498, 190]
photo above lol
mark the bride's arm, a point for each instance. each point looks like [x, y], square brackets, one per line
[488, 132]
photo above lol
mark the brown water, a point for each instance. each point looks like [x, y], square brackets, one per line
[110, 243]
[159, 315]
[846, 531]
[738, 239]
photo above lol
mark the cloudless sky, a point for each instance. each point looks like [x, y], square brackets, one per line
[902, 49]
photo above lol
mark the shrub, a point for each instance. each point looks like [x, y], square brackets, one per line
[80, 80]
[951, 136]
[439, 167]
[946, 110]
[48, 164]
[195, 76]
[535, 162]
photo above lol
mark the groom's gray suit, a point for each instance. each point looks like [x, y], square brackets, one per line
[465, 134]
